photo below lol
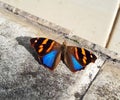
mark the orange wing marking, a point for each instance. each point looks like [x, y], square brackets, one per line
[50, 46]
[40, 48]
[45, 41]
[76, 53]
[83, 51]
[84, 59]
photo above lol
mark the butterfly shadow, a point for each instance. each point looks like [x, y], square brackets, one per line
[25, 41]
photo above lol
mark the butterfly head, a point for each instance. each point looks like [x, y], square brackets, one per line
[64, 43]
[64, 46]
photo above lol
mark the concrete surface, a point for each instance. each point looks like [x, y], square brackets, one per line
[86, 19]
[106, 86]
[23, 78]
[114, 43]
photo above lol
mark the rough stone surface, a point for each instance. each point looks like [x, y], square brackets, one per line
[106, 86]
[21, 75]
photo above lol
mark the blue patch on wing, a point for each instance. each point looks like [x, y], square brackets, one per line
[49, 58]
[76, 64]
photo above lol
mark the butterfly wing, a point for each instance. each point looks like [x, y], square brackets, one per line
[77, 58]
[48, 50]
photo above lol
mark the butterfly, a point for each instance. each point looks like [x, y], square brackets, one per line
[51, 52]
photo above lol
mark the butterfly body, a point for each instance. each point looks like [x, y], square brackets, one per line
[51, 52]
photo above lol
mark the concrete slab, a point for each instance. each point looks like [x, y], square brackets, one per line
[21, 75]
[106, 86]
[114, 43]
[91, 20]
